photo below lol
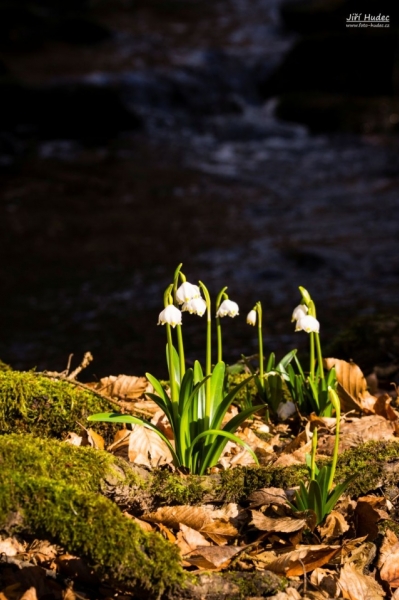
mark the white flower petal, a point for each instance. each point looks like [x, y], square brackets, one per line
[251, 317]
[187, 291]
[227, 308]
[196, 306]
[308, 324]
[170, 315]
[299, 312]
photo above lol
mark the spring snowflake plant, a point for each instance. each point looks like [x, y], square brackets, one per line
[270, 379]
[320, 495]
[198, 401]
[310, 392]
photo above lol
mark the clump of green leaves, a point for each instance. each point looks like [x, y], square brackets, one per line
[320, 495]
[198, 401]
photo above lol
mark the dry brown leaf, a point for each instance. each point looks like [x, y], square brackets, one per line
[303, 559]
[69, 594]
[10, 546]
[290, 593]
[189, 539]
[214, 557]
[30, 594]
[93, 439]
[369, 511]
[143, 524]
[219, 531]
[195, 517]
[166, 533]
[389, 559]
[358, 431]
[334, 526]
[267, 496]
[352, 384]
[354, 585]
[73, 438]
[142, 446]
[124, 387]
[279, 525]
[325, 580]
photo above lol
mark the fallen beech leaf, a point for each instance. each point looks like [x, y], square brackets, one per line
[93, 439]
[166, 533]
[358, 431]
[389, 559]
[356, 586]
[219, 531]
[267, 496]
[214, 557]
[352, 383]
[189, 539]
[303, 559]
[334, 526]
[124, 387]
[290, 593]
[195, 517]
[30, 594]
[142, 446]
[73, 438]
[325, 580]
[281, 525]
[369, 511]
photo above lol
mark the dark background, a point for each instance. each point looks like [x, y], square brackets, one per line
[255, 141]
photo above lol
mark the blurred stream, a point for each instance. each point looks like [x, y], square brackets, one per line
[92, 232]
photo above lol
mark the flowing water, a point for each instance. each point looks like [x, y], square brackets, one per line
[91, 235]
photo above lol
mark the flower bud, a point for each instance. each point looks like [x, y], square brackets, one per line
[170, 315]
[227, 308]
[251, 317]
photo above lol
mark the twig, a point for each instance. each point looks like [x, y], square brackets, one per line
[87, 359]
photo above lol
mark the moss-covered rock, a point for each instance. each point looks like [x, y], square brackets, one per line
[47, 407]
[92, 527]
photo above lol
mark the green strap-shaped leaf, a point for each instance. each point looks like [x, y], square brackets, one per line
[119, 418]
[316, 501]
[213, 456]
[217, 387]
[227, 400]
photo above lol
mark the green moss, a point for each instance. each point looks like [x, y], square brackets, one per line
[168, 488]
[47, 407]
[367, 462]
[86, 467]
[91, 527]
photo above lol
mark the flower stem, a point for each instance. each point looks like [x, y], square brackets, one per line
[208, 360]
[337, 405]
[311, 334]
[219, 324]
[260, 343]
[181, 351]
[319, 356]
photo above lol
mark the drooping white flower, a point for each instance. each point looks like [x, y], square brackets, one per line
[227, 308]
[285, 410]
[187, 291]
[308, 323]
[170, 315]
[251, 317]
[196, 306]
[299, 312]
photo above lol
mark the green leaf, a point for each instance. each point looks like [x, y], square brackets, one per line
[217, 387]
[224, 405]
[270, 362]
[213, 454]
[336, 493]
[119, 418]
[316, 500]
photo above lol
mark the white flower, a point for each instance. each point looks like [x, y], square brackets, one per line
[308, 323]
[228, 307]
[285, 410]
[196, 306]
[299, 312]
[170, 315]
[251, 317]
[187, 291]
